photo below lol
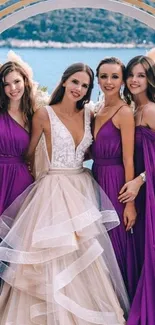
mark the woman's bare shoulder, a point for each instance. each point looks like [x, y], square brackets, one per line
[149, 115]
[41, 113]
[149, 109]
[40, 118]
[125, 107]
[125, 110]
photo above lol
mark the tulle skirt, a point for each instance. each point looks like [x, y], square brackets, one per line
[57, 260]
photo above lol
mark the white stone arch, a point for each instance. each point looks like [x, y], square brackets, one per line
[44, 7]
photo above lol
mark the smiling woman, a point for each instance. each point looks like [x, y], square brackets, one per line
[16, 110]
[14, 86]
[58, 271]
[16, 107]
[140, 87]
[112, 151]
[137, 82]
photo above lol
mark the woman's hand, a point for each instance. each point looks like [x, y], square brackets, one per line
[129, 215]
[130, 190]
[77, 236]
[29, 166]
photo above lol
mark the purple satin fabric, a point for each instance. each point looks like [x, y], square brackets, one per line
[14, 174]
[143, 307]
[109, 173]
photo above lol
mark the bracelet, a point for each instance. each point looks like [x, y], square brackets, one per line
[143, 176]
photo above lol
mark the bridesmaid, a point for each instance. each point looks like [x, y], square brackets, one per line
[112, 151]
[16, 110]
[140, 87]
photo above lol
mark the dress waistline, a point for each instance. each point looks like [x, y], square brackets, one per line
[11, 160]
[108, 161]
[66, 171]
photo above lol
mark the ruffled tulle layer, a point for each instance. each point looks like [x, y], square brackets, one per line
[58, 263]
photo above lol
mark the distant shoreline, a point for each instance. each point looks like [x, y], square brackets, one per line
[12, 43]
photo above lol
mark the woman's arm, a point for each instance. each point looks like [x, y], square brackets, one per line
[127, 128]
[88, 154]
[130, 190]
[37, 128]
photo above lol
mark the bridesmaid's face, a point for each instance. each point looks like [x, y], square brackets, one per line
[77, 85]
[110, 78]
[14, 86]
[137, 80]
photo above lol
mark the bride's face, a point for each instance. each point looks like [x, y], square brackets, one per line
[77, 85]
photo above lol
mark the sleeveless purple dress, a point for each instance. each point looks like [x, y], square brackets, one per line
[139, 228]
[108, 170]
[14, 174]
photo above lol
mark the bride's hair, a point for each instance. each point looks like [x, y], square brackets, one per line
[149, 67]
[58, 93]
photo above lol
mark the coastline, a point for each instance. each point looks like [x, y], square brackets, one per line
[15, 43]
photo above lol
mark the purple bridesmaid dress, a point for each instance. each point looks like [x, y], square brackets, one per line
[14, 174]
[143, 306]
[139, 228]
[108, 170]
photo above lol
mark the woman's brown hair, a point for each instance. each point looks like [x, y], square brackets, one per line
[149, 67]
[27, 100]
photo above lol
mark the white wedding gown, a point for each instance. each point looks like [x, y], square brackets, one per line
[58, 263]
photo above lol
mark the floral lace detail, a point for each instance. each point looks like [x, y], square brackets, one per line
[64, 153]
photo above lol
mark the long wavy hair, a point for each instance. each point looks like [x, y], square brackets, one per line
[149, 67]
[27, 100]
[59, 92]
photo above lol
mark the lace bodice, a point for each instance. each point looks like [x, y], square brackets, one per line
[64, 153]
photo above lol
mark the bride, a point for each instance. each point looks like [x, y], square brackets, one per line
[56, 258]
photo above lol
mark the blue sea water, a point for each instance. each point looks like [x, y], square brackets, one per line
[49, 64]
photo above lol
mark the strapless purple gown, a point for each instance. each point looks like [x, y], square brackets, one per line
[108, 170]
[143, 306]
[139, 228]
[14, 174]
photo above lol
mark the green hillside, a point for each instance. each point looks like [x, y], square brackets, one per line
[81, 25]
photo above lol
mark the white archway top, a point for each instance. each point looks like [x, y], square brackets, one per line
[40, 7]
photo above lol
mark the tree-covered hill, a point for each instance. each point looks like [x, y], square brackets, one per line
[81, 25]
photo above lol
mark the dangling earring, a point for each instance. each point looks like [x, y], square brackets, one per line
[122, 92]
[99, 95]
